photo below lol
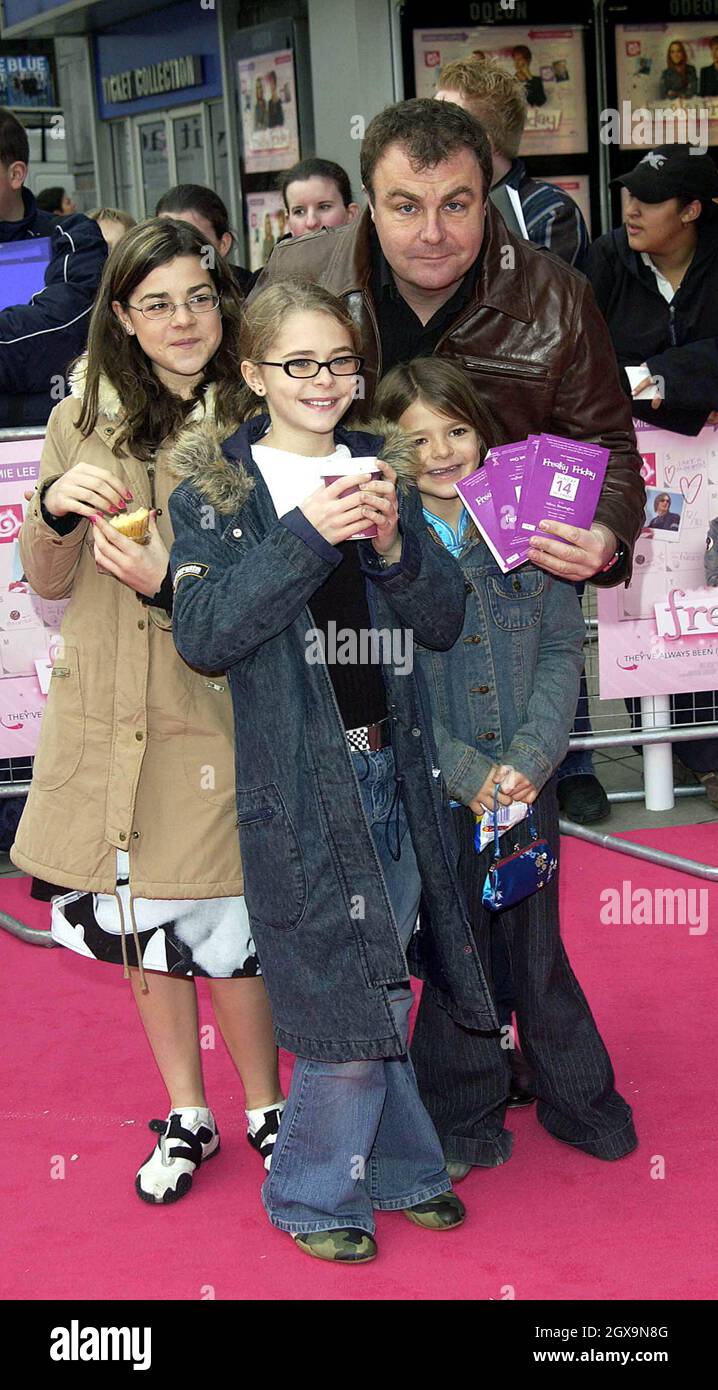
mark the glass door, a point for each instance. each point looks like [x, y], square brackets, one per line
[154, 162]
[125, 195]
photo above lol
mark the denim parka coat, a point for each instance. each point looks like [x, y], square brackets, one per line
[322, 921]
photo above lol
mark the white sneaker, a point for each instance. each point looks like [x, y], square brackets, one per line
[263, 1130]
[187, 1137]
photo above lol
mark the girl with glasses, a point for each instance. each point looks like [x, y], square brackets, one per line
[132, 797]
[340, 807]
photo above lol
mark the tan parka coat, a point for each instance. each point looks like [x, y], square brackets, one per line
[136, 749]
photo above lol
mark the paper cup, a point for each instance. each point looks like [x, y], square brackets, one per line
[372, 473]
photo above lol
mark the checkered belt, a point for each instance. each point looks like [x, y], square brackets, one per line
[370, 737]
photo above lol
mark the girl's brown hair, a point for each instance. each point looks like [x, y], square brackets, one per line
[151, 413]
[265, 315]
[443, 387]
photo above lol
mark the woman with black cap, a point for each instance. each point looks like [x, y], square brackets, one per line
[656, 282]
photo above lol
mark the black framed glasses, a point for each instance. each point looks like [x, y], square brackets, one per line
[162, 308]
[308, 366]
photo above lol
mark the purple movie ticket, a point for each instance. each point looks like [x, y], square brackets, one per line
[506, 466]
[563, 483]
[475, 493]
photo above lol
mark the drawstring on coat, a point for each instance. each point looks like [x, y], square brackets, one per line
[126, 968]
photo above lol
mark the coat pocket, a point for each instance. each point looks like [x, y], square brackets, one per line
[516, 599]
[62, 736]
[275, 879]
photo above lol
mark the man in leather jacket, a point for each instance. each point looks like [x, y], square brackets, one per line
[430, 266]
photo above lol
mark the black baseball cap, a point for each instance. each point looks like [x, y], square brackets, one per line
[672, 171]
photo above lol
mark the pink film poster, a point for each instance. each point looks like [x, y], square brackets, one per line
[548, 62]
[659, 636]
[29, 625]
[266, 223]
[268, 106]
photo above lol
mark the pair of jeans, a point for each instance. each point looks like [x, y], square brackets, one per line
[464, 1074]
[354, 1136]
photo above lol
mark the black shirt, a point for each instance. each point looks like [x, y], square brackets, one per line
[342, 601]
[401, 331]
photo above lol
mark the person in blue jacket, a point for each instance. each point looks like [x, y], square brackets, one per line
[20, 216]
[502, 699]
[343, 818]
[39, 340]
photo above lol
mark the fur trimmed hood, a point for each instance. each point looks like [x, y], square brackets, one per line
[110, 404]
[197, 458]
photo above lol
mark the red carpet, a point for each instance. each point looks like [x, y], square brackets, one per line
[549, 1224]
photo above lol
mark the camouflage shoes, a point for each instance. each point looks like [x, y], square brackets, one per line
[346, 1246]
[442, 1213]
[351, 1246]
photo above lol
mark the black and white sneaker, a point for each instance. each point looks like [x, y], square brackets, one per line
[263, 1130]
[186, 1138]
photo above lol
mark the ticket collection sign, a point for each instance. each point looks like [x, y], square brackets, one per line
[548, 62]
[29, 625]
[659, 636]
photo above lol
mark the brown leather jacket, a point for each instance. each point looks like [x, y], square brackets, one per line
[533, 339]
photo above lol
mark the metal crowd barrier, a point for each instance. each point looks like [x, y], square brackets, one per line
[612, 728]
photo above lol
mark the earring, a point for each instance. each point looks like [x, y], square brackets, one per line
[129, 329]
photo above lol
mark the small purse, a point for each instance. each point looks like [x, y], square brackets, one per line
[515, 876]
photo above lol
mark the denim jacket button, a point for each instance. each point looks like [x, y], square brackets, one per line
[468, 586]
[237, 532]
[416, 733]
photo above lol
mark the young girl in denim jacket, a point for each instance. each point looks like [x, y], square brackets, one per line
[503, 700]
[341, 812]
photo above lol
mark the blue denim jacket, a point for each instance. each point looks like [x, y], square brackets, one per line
[507, 690]
[321, 919]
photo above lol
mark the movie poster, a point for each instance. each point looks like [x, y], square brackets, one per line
[671, 68]
[268, 108]
[659, 635]
[266, 223]
[549, 63]
[29, 625]
[26, 81]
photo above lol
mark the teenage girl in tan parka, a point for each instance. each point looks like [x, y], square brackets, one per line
[132, 796]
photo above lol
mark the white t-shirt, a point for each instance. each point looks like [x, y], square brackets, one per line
[663, 285]
[291, 477]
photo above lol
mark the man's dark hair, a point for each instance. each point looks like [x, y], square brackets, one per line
[50, 199]
[429, 132]
[317, 169]
[14, 143]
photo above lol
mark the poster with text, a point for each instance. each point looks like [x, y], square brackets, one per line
[549, 63]
[266, 223]
[659, 636]
[671, 68]
[268, 107]
[29, 625]
[577, 187]
[26, 80]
